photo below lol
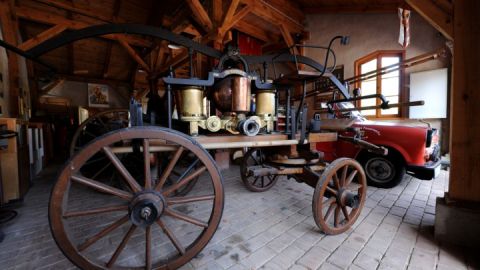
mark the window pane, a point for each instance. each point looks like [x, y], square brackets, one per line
[368, 112]
[368, 66]
[368, 102]
[390, 86]
[368, 87]
[390, 81]
[391, 111]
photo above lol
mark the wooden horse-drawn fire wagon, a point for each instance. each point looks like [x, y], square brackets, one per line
[155, 195]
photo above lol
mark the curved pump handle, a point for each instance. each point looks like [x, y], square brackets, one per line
[233, 53]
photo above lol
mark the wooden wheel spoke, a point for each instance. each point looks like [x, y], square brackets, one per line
[102, 123]
[336, 182]
[186, 218]
[189, 169]
[184, 181]
[180, 200]
[336, 216]
[95, 211]
[331, 190]
[148, 248]
[263, 181]
[172, 237]
[90, 134]
[101, 187]
[102, 233]
[169, 168]
[329, 211]
[121, 246]
[123, 171]
[345, 213]
[101, 170]
[255, 181]
[90, 161]
[344, 176]
[146, 160]
[350, 177]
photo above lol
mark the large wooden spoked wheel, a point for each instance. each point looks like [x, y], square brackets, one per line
[97, 125]
[255, 157]
[339, 196]
[142, 225]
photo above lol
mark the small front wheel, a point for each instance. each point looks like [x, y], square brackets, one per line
[255, 157]
[339, 196]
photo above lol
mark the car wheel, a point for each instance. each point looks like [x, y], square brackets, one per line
[383, 171]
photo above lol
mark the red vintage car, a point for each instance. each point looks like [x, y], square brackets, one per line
[411, 149]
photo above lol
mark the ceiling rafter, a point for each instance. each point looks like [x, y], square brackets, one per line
[200, 14]
[274, 15]
[51, 19]
[133, 53]
[437, 17]
[108, 54]
[227, 25]
[85, 10]
[43, 36]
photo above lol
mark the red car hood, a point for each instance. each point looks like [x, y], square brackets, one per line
[373, 124]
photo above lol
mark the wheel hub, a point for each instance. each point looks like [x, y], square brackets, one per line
[347, 198]
[146, 208]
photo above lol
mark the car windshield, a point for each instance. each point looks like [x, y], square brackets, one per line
[349, 114]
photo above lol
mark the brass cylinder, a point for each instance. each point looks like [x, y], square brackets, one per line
[189, 101]
[232, 94]
[265, 102]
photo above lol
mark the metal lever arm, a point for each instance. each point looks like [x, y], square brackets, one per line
[364, 144]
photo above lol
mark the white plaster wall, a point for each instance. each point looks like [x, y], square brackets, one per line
[369, 33]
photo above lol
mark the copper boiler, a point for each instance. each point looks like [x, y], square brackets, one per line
[232, 94]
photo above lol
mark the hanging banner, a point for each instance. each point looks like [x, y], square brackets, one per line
[404, 36]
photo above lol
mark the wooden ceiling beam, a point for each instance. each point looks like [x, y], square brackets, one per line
[51, 19]
[133, 53]
[367, 8]
[446, 5]
[85, 10]
[217, 12]
[227, 25]
[274, 15]
[9, 26]
[287, 37]
[50, 86]
[200, 14]
[45, 35]
[108, 53]
[437, 17]
[230, 12]
[255, 31]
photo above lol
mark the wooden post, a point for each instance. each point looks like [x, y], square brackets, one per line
[464, 122]
[9, 31]
[457, 216]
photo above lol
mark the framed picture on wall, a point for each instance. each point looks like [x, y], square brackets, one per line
[98, 95]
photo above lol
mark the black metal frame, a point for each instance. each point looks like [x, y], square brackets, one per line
[192, 46]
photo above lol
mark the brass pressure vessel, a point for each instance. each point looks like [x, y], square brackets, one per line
[265, 103]
[189, 101]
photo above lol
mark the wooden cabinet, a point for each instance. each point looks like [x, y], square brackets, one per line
[14, 161]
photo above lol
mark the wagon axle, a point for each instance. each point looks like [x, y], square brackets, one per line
[146, 208]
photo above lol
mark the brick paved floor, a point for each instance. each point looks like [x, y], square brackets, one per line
[276, 230]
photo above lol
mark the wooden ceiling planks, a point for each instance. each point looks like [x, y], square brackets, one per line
[271, 21]
[349, 6]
